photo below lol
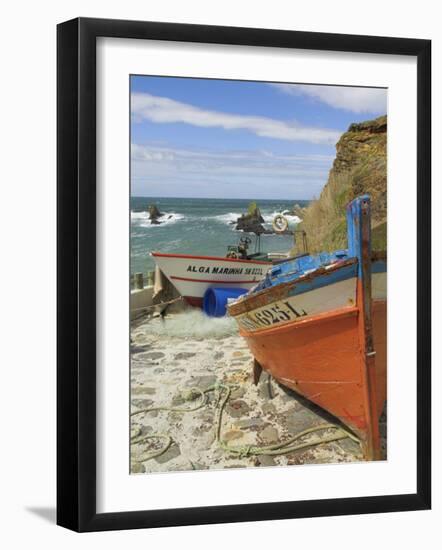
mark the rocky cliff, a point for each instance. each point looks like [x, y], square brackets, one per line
[360, 167]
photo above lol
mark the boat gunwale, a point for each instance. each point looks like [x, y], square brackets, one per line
[302, 322]
[248, 303]
[216, 258]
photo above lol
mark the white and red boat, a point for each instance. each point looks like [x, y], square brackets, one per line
[193, 275]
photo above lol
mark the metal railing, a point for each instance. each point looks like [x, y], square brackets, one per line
[140, 280]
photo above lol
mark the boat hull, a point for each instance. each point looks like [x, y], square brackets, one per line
[309, 335]
[193, 275]
[321, 358]
[322, 330]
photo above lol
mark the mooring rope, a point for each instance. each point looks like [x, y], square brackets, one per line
[190, 395]
[277, 448]
[153, 306]
[242, 451]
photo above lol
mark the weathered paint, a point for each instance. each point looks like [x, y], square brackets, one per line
[359, 219]
[307, 282]
[337, 359]
[321, 359]
[295, 307]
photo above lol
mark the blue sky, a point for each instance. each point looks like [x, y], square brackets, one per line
[234, 139]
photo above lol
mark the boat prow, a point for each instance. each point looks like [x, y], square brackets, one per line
[318, 326]
[193, 275]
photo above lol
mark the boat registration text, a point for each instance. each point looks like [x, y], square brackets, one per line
[221, 270]
[298, 307]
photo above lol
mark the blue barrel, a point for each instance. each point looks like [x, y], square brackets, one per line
[215, 300]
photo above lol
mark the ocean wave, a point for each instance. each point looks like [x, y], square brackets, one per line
[141, 219]
[230, 218]
[268, 217]
[227, 218]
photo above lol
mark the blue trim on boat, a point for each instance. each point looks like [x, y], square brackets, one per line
[356, 209]
[324, 279]
[293, 269]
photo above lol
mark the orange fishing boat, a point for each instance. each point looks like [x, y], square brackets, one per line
[317, 324]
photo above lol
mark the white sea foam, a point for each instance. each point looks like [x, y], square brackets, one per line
[269, 217]
[194, 324]
[141, 219]
[227, 218]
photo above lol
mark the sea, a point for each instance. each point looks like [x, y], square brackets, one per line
[201, 227]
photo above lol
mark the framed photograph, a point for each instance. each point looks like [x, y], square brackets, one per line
[226, 199]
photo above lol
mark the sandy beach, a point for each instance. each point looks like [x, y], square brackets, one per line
[188, 350]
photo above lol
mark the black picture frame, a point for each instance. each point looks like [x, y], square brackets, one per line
[76, 274]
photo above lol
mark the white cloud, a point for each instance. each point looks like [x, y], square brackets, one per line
[157, 169]
[357, 100]
[226, 160]
[164, 110]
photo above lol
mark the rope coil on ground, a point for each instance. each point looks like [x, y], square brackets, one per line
[243, 451]
[153, 454]
[278, 448]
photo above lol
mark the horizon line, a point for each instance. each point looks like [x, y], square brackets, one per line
[219, 198]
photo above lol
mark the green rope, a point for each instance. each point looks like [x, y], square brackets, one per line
[153, 454]
[243, 451]
[191, 395]
[285, 447]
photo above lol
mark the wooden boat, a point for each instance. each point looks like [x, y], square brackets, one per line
[317, 324]
[193, 275]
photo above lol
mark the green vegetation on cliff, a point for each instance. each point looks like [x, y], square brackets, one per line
[360, 167]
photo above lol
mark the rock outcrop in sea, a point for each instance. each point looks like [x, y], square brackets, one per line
[154, 214]
[252, 221]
